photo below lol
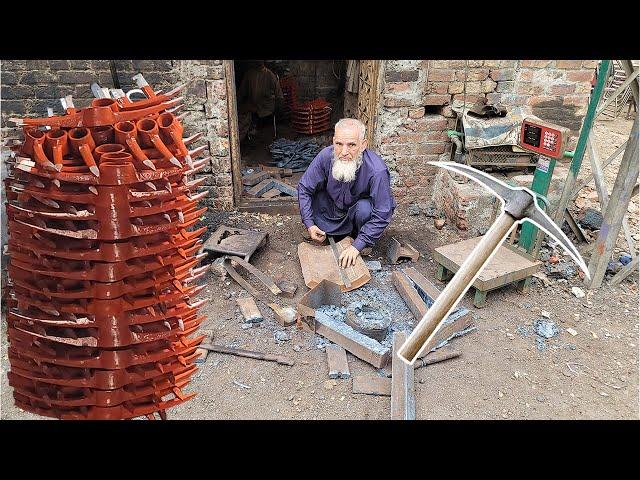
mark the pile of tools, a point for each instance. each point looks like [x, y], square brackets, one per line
[103, 260]
[311, 117]
[294, 154]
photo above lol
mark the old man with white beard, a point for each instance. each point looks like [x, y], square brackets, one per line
[346, 191]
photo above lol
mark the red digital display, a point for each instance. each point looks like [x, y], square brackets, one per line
[541, 139]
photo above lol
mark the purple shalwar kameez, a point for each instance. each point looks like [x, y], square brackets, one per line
[362, 207]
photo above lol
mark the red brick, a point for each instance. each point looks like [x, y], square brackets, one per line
[488, 86]
[438, 87]
[430, 148]
[437, 99]
[448, 112]
[502, 74]
[401, 76]
[447, 64]
[579, 75]
[393, 101]
[538, 99]
[505, 87]
[578, 100]
[562, 88]
[524, 75]
[456, 87]
[428, 122]
[397, 87]
[470, 97]
[441, 75]
[536, 63]
[567, 64]
[416, 112]
[590, 64]
[475, 75]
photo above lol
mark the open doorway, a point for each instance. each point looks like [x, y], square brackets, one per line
[286, 111]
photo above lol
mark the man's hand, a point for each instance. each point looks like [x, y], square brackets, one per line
[348, 256]
[316, 234]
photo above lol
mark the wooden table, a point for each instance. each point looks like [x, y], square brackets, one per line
[506, 267]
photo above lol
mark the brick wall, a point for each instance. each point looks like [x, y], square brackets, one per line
[415, 112]
[28, 87]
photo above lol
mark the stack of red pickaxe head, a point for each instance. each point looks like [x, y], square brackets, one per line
[311, 117]
[103, 261]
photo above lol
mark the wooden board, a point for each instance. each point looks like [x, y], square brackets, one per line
[372, 385]
[337, 361]
[403, 402]
[504, 268]
[319, 263]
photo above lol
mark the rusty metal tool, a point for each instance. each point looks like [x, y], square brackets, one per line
[343, 274]
[519, 205]
[247, 353]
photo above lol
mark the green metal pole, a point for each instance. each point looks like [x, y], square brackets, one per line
[576, 162]
[540, 184]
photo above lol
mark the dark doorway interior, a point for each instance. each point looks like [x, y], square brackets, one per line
[259, 124]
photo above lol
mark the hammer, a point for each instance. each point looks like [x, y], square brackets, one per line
[518, 205]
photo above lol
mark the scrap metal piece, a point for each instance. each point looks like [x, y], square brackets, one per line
[286, 316]
[397, 251]
[248, 353]
[324, 293]
[336, 255]
[235, 241]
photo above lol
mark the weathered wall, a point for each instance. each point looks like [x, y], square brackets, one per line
[317, 78]
[28, 87]
[415, 112]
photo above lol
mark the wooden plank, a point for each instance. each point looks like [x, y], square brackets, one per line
[318, 263]
[234, 141]
[337, 361]
[504, 268]
[249, 309]
[363, 347]
[403, 405]
[372, 385]
[614, 214]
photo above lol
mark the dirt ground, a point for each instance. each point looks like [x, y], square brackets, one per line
[501, 373]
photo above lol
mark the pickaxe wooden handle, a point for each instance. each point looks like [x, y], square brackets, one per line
[519, 205]
[456, 288]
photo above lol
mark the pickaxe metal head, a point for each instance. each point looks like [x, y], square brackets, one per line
[520, 203]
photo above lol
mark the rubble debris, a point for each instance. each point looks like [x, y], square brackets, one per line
[281, 336]
[578, 292]
[235, 382]
[369, 385]
[239, 352]
[439, 223]
[403, 406]
[398, 251]
[217, 267]
[337, 361]
[592, 219]
[249, 309]
[373, 265]
[545, 328]
[572, 331]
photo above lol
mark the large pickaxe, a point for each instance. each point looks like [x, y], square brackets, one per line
[519, 205]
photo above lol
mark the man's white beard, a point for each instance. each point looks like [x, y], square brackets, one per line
[345, 171]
